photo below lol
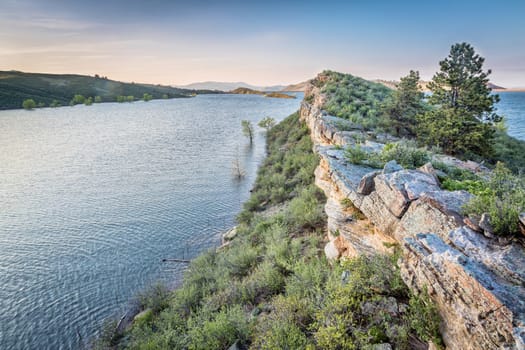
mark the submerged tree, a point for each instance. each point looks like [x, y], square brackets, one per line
[267, 123]
[463, 119]
[247, 129]
[405, 104]
[237, 169]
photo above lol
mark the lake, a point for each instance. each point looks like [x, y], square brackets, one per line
[94, 197]
[512, 107]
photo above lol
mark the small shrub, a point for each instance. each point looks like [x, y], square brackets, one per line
[29, 104]
[218, 331]
[355, 154]
[283, 327]
[476, 187]
[55, 103]
[423, 318]
[156, 298]
[266, 280]
[503, 199]
[239, 260]
[306, 211]
[77, 99]
[405, 153]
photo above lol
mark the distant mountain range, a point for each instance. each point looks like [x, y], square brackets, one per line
[228, 86]
[59, 89]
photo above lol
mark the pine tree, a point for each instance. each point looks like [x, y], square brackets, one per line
[406, 102]
[462, 122]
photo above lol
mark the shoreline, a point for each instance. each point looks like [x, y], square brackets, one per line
[510, 90]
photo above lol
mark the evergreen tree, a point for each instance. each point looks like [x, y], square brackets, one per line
[462, 122]
[405, 104]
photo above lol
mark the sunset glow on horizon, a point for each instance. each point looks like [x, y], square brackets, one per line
[264, 43]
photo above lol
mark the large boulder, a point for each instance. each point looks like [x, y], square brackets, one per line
[398, 189]
[479, 309]
[379, 213]
[367, 185]
[436, 212]
[507, 261]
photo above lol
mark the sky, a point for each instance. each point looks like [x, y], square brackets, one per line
[259, 42]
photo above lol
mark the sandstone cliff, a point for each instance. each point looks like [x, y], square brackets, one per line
[477, 283]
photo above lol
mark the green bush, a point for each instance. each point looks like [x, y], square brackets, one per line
[29, 104]
[510, 151]
[77, 99]
[423, 318]
[405, 153]
[476, 187]
[155, 298]
[306, 210]
[218, 331]
[355, 154]
[503, 199]
[284, 326]
[55, 104]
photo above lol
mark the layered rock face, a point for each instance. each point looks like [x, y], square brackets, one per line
[477, 283]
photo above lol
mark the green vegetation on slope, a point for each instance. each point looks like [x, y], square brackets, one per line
[459, 117]
[353, 98]
[272, 288]
[54, 89]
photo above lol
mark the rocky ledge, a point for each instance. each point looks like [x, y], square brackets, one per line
[477, 283]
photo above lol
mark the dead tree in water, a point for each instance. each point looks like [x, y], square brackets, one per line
[237, 169]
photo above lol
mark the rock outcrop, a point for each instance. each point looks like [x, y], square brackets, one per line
[477, 283]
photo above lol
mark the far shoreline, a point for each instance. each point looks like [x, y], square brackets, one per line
[522, 89]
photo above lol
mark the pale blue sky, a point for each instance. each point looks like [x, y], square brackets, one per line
[263, 42]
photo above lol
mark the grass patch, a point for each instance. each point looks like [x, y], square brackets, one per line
[354, 99]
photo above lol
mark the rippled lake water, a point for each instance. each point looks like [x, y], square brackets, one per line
[93, 198]
[512, 107]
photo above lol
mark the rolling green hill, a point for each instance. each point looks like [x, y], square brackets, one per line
[15, 87]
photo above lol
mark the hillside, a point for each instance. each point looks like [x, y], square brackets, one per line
[299, 87]
[228, 86]
[15, 87]
[247, 91]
